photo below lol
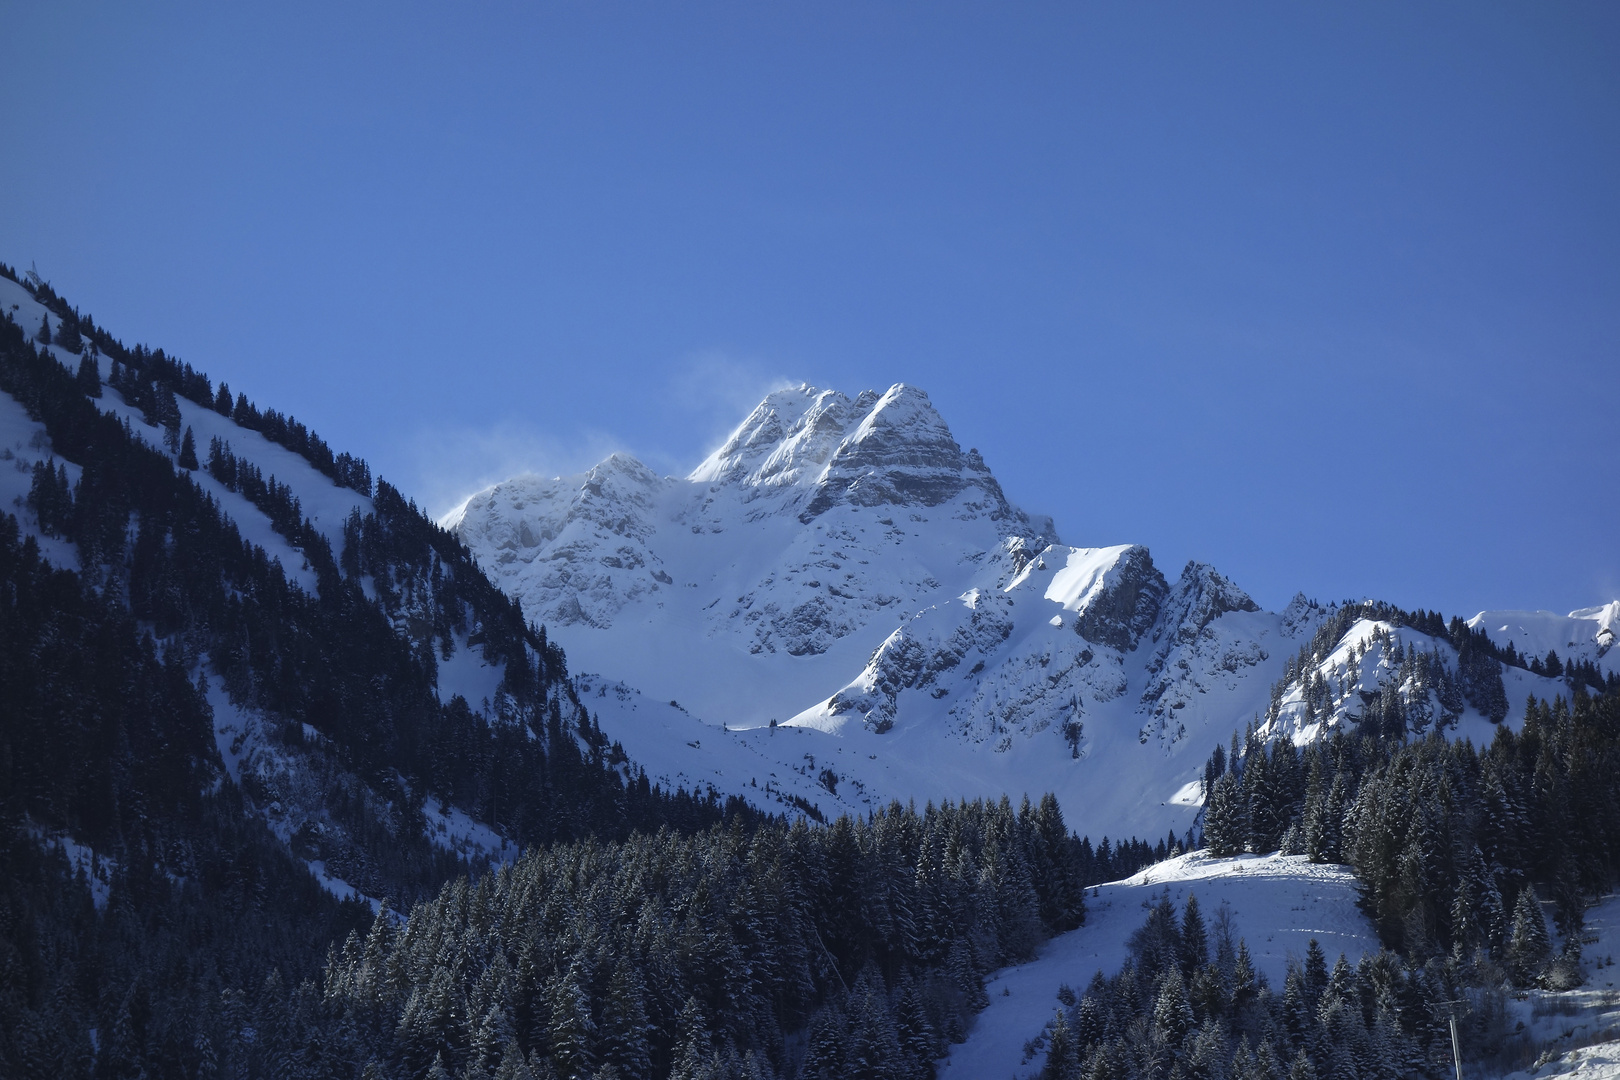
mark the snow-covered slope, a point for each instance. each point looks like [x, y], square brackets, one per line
[324, 503]
[294, 785]
[841, 568]
[1277, 904]
[1587, 634]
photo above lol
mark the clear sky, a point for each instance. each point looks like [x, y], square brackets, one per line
[1326, 295]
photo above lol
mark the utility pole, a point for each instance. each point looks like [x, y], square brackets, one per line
[1452, 1008]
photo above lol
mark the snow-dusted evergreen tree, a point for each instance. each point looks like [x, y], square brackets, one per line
[1529, 946]
[1225, 817]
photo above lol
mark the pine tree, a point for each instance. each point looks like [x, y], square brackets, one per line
[874, 1045]
[44, 334]
[570, 1032]
[624, 1024]
[1529, 946]
[1225, 823]
[1062, 1052]
[68, 337]
[1194, 937]
[188, 451]
[89, 376]
[1316, 973]
[513, 1066]
[1172, 1011]
[824, 1059]
[917, 1040]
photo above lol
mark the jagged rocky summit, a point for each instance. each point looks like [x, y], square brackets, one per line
[841, 596]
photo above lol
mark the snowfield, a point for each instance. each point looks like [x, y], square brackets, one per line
[1278, 903]
[841, 568]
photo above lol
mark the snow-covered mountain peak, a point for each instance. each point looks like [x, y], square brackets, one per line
[791, 433]
[1202, 595]
[822, 448]
[583, 542]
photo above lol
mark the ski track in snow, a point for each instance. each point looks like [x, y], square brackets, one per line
[1278, 904]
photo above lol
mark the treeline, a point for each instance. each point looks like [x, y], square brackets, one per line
[1478, 675]
[1448, 841]
[154, 368]
[336, 661]
[855, 949]
[1190, 1003]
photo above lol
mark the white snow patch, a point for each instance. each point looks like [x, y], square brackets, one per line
[467, 673]
[453, 829]
[1279, 903]
[1586, 634]
[97, 869]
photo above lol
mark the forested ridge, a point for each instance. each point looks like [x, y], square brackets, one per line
[1457, 850]
[187, 935]
[643, 933]
[106, 731]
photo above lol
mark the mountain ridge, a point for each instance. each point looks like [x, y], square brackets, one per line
[841, 560]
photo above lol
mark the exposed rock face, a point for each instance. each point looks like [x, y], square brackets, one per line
[1005, 656]
[919, 655]
[1128, 604]
[900, 453]
[1192, 652]
[581, 546]
[835, 511]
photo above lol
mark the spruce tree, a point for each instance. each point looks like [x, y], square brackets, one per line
[188, 450]
[1194, 937]
[1062, 1052]
[1529, 946]
[68, 336]
[89, 378]
[1225, 823]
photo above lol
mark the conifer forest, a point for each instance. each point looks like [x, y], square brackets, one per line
[184, 898]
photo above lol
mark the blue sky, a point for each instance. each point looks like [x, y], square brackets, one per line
[1327, 296]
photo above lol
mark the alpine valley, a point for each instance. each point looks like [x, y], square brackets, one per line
[778, 769]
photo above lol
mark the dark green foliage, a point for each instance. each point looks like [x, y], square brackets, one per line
[153, 368]
[103, 739]
[1447, 839]
[1477, 678]
[213, 926]
[188, 451]
[89, 376]
[68, 337]
[50, 497]
[665, 954]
